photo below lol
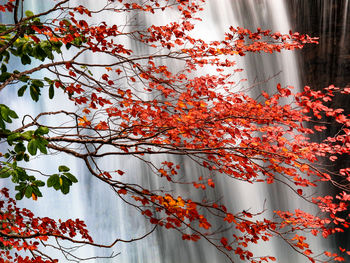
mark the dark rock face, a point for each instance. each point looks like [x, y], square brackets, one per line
[327, 63]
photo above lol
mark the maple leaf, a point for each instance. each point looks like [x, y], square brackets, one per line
[84, 122]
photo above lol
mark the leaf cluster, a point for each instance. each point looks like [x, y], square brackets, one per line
[63, 180]
[26, 185]
[6, 115]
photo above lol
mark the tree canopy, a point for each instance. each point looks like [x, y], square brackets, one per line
[132, 103]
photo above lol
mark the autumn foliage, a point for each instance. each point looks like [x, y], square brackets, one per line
[129, 103]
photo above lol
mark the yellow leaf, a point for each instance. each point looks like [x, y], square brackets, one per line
[203, 104]
[181, 104]
[83, 121]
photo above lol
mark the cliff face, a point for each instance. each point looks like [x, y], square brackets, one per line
[327, 63]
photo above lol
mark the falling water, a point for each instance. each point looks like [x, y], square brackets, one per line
[108, 218]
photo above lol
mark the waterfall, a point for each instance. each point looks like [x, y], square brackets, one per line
[108, 218]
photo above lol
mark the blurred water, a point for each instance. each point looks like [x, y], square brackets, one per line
[108, 218]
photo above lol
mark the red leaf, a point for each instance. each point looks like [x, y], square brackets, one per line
[223, 241]
[120, 172]
[122, 191]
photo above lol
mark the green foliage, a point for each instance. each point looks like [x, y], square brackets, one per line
[27, 50]
[63, 180]
[26, 185]
[35, 86]
[51, 92]
[4, 74]
[35, 141]
[28, 13]
[6, 115]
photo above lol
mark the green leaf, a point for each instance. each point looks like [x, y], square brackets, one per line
[65, 189]
[41, 130]
[4, 175]
[19, 157]
[2, 124]
[3, 68]
[34, 93]
[50, 55]
[31, 178]
[20, 186]
[32, 146]
[5, 172]
[27, 48]
[56, 46]
[39, 53]
[42, 148]
[53, 180]
[77, 41]
[26, 157]
[13, 137]
[25, 59]
[63, 168]
[21, 91]
[13, 114]
[66, 181]
[65, 185]
[71, 177]
[36, 191]
[20, 148]
[22, 175]
[5, 111]
[42, 143]
[51, 91]
[37, 83]
[39, 183]
[28, 13]
[15, 51]
[6, 54]
[28, 192]
[57, 186]
[19, 196]
[28, 135]
[4, 76]
[24, 78]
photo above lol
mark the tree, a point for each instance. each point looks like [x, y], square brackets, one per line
[133, 104]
